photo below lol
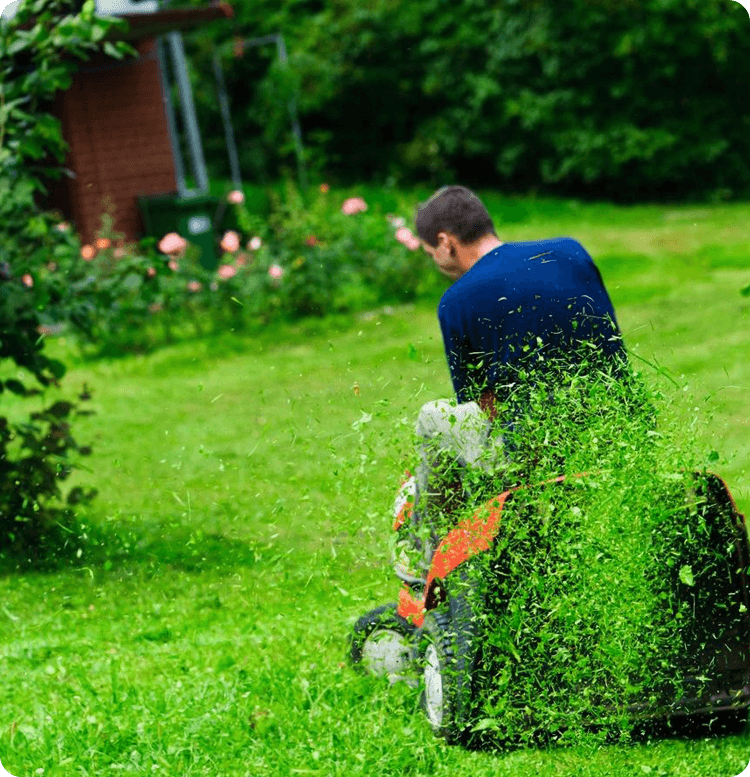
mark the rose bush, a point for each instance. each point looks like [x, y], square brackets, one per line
[326, 254]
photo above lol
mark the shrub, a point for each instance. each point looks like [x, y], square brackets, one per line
[342, 256]
[623, 100]
[38, 48]
[312, 258]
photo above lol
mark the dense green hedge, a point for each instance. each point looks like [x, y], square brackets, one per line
[628, 100]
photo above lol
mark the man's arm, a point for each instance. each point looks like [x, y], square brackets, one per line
[457, 352]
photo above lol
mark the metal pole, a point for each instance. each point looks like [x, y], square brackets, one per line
[188, 113]
[278, 39]
[234, 164]
[296, 131]
[262, 41]
[179, 164]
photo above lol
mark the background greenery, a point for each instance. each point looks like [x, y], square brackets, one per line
[635, 100]
[245, 489]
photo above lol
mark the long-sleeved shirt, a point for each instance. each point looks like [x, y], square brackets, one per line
[519, 302]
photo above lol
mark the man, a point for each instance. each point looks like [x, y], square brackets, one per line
[513, 311]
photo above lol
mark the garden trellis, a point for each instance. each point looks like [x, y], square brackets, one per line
[241, 45]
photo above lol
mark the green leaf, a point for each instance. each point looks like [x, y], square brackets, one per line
[19, 43]
[112, 51]
[7, 108]
[486, 724]
[686, 574]
[713, 456]
[57, 368]
[15, 386]
[746, 291]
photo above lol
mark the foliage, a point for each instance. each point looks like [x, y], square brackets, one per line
[38, 49]
[343, 261]
[35, 456]
[634, 100]
[307, 258]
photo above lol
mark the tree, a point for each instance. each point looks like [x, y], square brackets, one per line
[629, 100]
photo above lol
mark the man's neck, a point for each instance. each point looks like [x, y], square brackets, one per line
[473, 252]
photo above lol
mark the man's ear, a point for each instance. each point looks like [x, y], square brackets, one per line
[446, 239]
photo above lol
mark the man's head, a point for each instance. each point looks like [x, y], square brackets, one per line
[457, 210]
[455, 229]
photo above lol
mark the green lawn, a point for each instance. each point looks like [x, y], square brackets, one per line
[248, 484]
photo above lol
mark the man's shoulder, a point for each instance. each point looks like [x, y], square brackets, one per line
[563, 244]
[501, 266]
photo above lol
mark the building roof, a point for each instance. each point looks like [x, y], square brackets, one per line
[149, 25]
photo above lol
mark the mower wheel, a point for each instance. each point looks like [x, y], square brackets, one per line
[448, 655]
[382, 644]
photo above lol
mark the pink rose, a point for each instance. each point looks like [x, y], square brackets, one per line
[241, 260]
[173, 265]
[254, 244]
[88, 252]
[275, 271]
[324, 188]
[172, 244]
[151, 272]
[236, 197]
[118, 253]
[230, 242]
[63, 226]
[405, 236]
[27, 280]
[227, 271]
[353, 205]
[194, 286]
[312, 241]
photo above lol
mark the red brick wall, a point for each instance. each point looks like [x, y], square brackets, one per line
[113, 119]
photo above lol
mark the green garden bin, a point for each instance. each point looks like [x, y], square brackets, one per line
[191, 217]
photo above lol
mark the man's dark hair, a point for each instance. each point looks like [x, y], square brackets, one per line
[457, 210]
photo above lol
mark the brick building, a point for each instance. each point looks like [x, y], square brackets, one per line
[120, 125]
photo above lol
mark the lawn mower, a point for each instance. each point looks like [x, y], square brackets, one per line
[432, 635]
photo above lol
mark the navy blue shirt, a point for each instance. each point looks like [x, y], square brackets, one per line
[520, 302]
